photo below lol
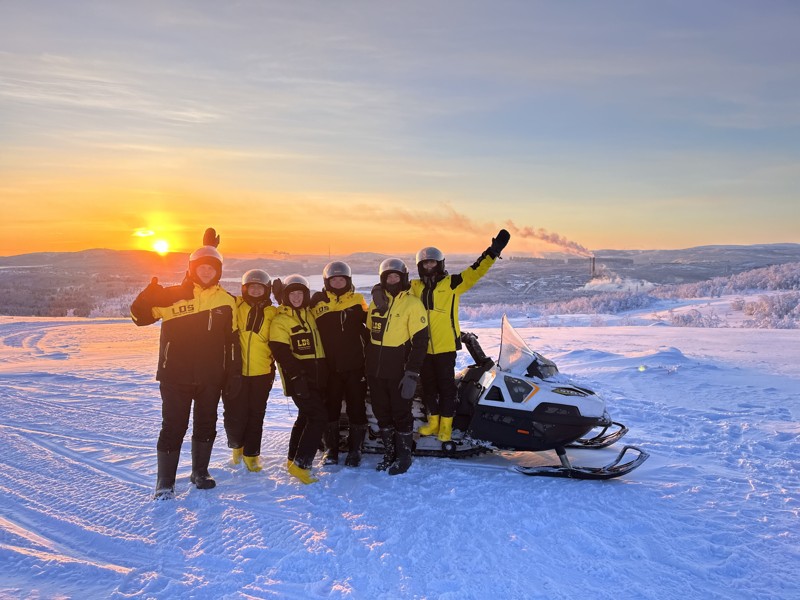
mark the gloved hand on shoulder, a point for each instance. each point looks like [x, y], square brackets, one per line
[319, 297]
[498, 243]
[380, 299]
[408, 385]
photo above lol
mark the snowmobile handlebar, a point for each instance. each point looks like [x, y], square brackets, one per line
[470, 341]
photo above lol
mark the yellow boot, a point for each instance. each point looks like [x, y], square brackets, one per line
[445, 429]
[432, 428]
[303, 475]
[253, 463]
[237, 455]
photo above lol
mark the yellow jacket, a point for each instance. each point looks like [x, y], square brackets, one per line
[254, 323]
[295, 344]
[441, 302]
[397, 338]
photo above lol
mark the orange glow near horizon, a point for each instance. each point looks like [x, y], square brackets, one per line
[74, 215]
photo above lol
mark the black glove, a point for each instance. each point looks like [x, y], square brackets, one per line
[298, 386]
[176, 293]
[498, 243]
[408, 385]
[152, 295]
[210, 237]
[277, 290]
[233, 385]
[319, 297]
[379, 298]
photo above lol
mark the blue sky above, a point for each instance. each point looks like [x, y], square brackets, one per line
[615, 124]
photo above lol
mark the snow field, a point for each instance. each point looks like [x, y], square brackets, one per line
[712, 514]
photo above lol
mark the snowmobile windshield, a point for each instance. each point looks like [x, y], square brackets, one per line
[516, 356]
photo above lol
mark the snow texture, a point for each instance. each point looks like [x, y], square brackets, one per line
[714, 513]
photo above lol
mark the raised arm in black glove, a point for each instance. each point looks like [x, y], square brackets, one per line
[152, 295]
[210, 237]
[498, 243]
[277, 290]
[379, 298]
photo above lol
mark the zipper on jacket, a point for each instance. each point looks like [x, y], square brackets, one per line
[166, 355]
[210, 318]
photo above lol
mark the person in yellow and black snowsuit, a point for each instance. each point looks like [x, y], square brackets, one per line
[398, 338]
[244, 413]
[440, 292]
[295, 344]
[199, 358]
[341, 314]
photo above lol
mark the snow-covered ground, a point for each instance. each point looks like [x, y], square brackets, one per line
[714, 513]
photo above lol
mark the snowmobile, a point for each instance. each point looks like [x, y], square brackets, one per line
[521, 403]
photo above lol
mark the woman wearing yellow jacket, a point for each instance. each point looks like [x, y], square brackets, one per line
[295, 344]
[244, 413]
[440, 292]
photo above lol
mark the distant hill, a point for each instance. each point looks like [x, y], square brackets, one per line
[77, 283]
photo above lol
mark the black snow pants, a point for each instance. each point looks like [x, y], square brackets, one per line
[176, 404]
[438, 384]
[351, 387]
[244, 415]
[390, 408]
[308, 428]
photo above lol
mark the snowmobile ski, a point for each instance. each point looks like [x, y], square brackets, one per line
[567, 470]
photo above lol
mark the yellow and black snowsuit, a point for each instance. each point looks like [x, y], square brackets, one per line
[244, 413]
[341, 323]
[397, 344]
[295, 343]
[198, 351]
[440, 296]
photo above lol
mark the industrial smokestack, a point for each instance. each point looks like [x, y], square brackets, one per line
[592, 268]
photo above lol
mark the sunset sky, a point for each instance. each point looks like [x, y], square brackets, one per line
[317, 127]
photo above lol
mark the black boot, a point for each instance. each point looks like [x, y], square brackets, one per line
[201, 454]
[354, 442]
[331, 439]
[165, 481]
[403, 443]
[387, 437]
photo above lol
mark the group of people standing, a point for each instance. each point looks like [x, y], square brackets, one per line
[329, 346]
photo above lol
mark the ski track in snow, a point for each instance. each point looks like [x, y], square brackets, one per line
[714, 513]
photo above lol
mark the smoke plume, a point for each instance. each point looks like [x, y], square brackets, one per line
[549, 237]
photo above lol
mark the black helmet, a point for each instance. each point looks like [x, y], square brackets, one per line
[394, 265]
[293, 283]
[431, 253]
[337, 269]
[207, 255]
[256, 276]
